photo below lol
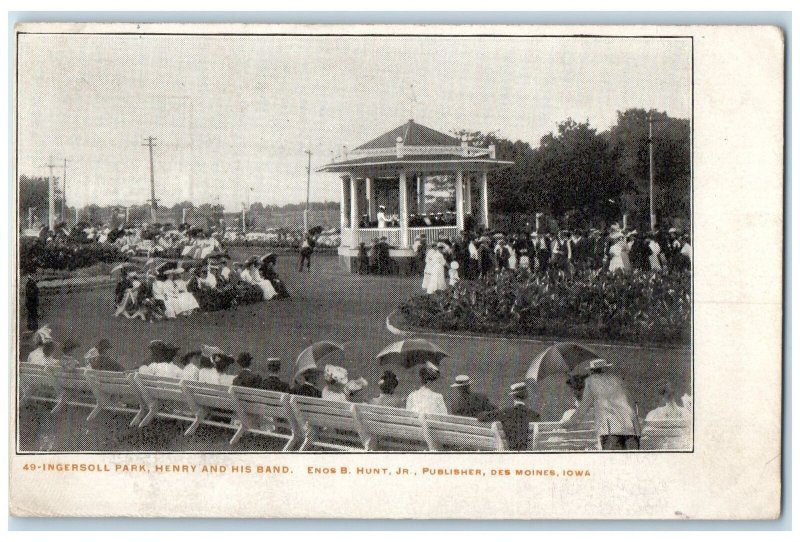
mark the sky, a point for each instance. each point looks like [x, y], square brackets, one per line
[232, 114]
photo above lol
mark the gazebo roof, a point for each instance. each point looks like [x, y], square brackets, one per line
[412, 144]
[412, 134]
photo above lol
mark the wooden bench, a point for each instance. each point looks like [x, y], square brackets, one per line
[460, 433]
[265, 413]
[551, 437]
[116, 392]
[212, 405]
[667, 434]
[164, 397]
[395, 429]
[73, 387]
[328, 424]
[36, 383]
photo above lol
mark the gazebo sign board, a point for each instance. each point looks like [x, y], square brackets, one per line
[393, 171]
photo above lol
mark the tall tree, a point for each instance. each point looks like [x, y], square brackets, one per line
[628, 148]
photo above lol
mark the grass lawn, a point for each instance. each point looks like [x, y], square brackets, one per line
[325, 304]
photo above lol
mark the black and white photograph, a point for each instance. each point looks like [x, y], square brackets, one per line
[276, 242]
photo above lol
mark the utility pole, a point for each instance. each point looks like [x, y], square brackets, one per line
[308, 193]
[652, 171]
[64, 193]
[151, 142]
[51, 197]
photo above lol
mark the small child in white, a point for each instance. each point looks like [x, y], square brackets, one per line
[453, 273]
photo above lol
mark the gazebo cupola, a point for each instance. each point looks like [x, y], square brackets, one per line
[424, 179]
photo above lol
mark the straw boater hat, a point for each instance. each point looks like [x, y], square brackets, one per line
[461, 381]
[92, 354]
[210, 351]
[519, 390]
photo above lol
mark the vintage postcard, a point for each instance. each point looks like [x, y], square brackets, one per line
[377, 271]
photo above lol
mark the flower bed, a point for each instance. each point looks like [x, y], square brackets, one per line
[638, 308]
[60, 256]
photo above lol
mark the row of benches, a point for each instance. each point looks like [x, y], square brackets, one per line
[304, 423]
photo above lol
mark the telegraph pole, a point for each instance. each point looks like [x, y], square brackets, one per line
[308, 193]
[151, 142]
[64, 193]
[51, 197]
[652, 170]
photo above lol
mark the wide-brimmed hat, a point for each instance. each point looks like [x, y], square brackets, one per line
[42, 335]
[210, 351]
[461, 381]
[336, 374]
[269, 256]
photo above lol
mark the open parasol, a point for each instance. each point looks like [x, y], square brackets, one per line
[557, 359]
[311, 356]
[410, 352]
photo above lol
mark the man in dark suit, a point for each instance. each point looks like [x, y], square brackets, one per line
[246, 377]
[514, 419]
[273, 380]
[32, 302]
[307, 387]
[466, 402]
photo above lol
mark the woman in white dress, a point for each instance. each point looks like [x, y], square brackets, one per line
[655, 254]
[618, 251]
[161, 292]
[252, 275]
[185, 301]
[435, 269]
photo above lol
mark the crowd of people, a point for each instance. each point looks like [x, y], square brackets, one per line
[179, 288]
[569, 252]
[599, 395]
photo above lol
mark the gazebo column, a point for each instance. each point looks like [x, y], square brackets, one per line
[342, 211]
[353, 211]
[485, 198]
[421, 178]
[370, 198]
[468, 194]
[460, 200]
[403, 204]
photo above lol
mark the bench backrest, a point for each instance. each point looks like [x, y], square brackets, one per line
[164, 390]
[265, 404]
[463, 433]
[549, 436]
[391, 428]
[71, 380]
[667, 434]
[333, 422]
[118, 385]
[213, 397]
[36, 379]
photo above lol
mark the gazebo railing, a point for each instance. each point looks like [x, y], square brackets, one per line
[393, 235]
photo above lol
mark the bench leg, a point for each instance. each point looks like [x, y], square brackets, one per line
[138, 418]
[200, 416]
[95, 411]
[61, 404]
[306, 445]
[151, 413]
[238, 435]
[291, 444]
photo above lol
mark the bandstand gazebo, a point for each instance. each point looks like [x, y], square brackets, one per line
[393, 171]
